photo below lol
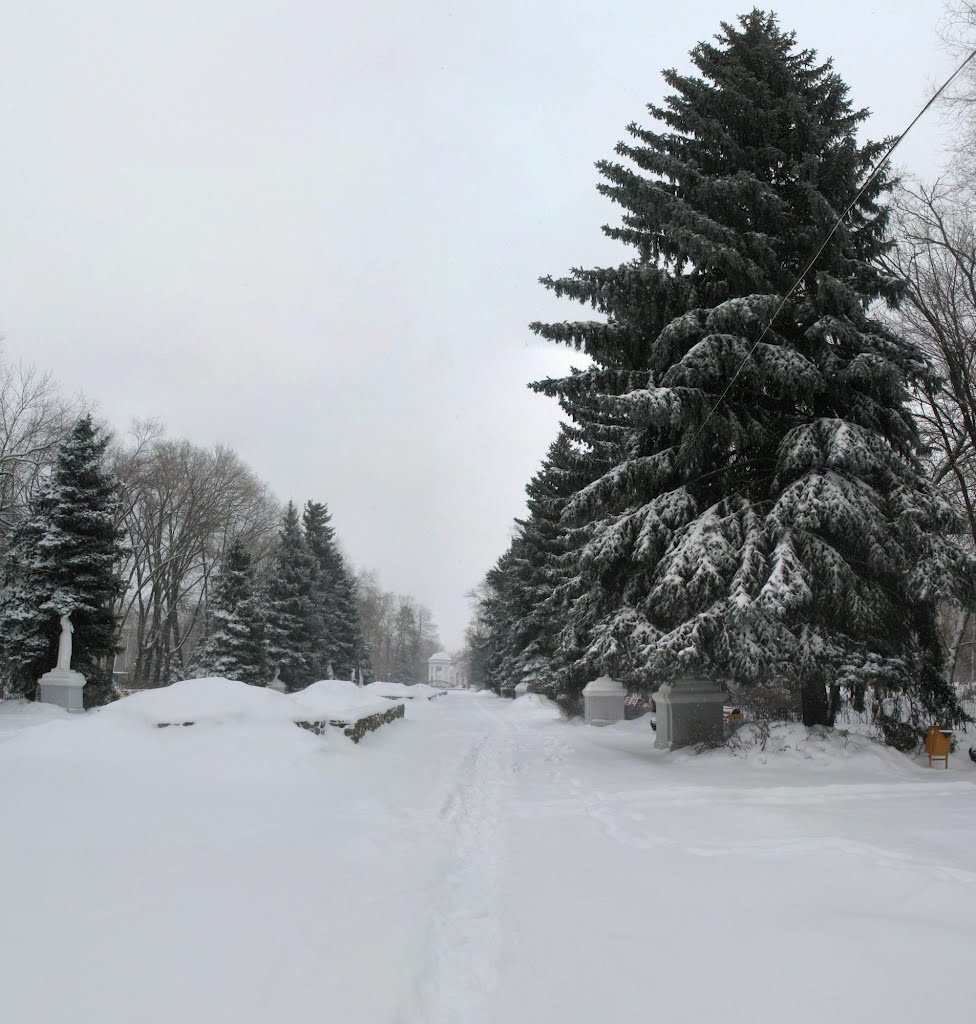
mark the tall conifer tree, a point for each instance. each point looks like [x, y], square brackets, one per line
[527, 590]
[320, 538]
[65, 558]
[763, 516]
[292, 618]
[359, 666]
[342, 643]
[234, 646]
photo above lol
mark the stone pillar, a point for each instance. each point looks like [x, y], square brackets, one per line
[64, 687]
[603, 701]
[689, 712]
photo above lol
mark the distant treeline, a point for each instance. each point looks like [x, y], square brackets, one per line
[203, 569]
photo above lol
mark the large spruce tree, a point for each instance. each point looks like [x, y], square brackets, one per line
[526, 592]
[758, 513]
[234, 643]
[341, 650]
[293, 623]
[65, 558]
[320, 540]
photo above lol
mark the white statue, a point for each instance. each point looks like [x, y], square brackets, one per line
[64, 644]
[63, 685]
[277, 683]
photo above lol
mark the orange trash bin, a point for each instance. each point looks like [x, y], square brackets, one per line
[938, 744]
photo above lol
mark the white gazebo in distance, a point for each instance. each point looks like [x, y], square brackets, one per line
[441, 671]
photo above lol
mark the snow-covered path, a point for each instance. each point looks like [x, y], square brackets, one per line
[482, 861]
[461, 942]
[708, 888]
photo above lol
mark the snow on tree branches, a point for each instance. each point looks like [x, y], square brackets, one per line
[64, 558]
[749, 502]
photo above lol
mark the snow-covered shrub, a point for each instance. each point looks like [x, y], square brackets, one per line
[766, 703]
[569, 703]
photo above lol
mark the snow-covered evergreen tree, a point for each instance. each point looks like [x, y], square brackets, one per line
[320, 539]
[491, 633]
[293, 626]
[359, 668]
[65, 557]
[341, 651]
[525, 600]
[234, 646]
[763, 516]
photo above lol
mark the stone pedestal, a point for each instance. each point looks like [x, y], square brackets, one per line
[64, 687]
[603, 701]
[689, 712]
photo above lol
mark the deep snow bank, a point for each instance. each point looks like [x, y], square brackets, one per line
[18, 714]
[789, 750]
[537, 706]
[211, 700]
[216, 701]
[414, 691]
[337, 699]
[815, 747]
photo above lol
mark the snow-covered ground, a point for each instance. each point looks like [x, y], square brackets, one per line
[414, 691]
[481, 861]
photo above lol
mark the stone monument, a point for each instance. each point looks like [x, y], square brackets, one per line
[522, 689]
[62, 685]
[603, 701]
[689, 712]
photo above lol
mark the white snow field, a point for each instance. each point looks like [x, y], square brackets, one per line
[415, 692]
[480, 862]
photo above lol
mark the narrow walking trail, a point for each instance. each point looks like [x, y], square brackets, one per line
[461, 942]
[481, 861]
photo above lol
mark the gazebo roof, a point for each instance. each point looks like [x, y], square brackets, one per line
[440, 656]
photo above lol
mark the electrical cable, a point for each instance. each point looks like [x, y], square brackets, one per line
[823, 245]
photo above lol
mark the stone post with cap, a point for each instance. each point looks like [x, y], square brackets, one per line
[689, 713]
[603, 701]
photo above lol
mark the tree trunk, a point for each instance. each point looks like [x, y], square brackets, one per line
[858, 699]
[815, 708]
[834, 704]
[955, 645]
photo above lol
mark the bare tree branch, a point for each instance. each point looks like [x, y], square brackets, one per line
[34, 418]
[182, 507]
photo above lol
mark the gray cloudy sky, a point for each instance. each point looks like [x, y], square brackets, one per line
[313, 230]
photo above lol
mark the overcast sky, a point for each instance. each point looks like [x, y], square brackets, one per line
[313, 230]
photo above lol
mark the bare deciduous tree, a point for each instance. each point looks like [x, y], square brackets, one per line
[958, 31]
[34, 418]
[383, 616]
[182, 507]
[936, 256]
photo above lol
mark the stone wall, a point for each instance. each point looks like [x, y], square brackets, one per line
[355, 729]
